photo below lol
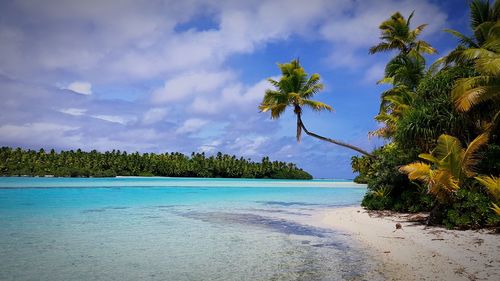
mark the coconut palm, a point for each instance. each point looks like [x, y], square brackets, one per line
[393, 104]
[486, 85]
[295, 89]
[397, 35]
[482, 52]
[404, 71]
[451, 164]
[483, 16]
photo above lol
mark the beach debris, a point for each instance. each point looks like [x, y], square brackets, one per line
[478, 241]
[398, 226]
[387, 252]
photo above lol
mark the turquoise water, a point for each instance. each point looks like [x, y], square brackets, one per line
[174, 229]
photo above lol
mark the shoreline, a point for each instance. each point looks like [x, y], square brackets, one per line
[417, 251]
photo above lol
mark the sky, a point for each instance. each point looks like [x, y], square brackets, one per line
[187, 76]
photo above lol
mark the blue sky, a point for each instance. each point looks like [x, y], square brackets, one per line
[163, 76]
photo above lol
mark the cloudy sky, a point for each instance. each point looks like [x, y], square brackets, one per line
[163, 76]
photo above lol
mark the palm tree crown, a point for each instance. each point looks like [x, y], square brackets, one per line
[483, 16]
[397, 35]
[295, 88]
[486, 61]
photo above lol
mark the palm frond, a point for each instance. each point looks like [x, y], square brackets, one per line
[489, 66]
[492, 184]
[442, 184]
[464, 40]
[470, 158]
[474, 90]
[386, 80]
[424, 47]
[417, 171]
[382, 47]
[429, 157]
[495, 208]
[445, 145]
[316, 105]
[478, 53]
[479, 13]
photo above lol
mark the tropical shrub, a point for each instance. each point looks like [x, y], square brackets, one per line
[470, 209]
[432, 113]
[387, 187]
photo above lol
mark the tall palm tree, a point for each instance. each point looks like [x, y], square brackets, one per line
[404, 71]
[295, 89]
[397, 35]
[451, 164]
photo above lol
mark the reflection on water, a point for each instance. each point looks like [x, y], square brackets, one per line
[172, 234]
[286, 204]
[273, 224]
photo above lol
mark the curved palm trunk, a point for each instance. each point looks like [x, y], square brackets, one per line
[301, 125]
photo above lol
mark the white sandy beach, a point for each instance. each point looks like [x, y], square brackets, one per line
[418, 252]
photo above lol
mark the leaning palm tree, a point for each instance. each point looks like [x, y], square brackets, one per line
[451, 164]
[295, 89]
[397, 35]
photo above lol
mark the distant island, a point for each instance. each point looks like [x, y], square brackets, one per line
[78, 163]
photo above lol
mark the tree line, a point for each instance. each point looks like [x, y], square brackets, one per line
[19, 162]
[441, 121]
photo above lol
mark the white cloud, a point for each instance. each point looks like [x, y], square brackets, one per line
[191, 126]
[73, 111]
[374, 73]
[154, 115]
[40, 133]
[210, 147]
[84, 88]
[356, 29]
[115, 118]
[189, 84]
[247, 146]
[232, 98]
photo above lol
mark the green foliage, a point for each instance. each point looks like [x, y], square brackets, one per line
[471, 209]
[490, 163]
[432, 113]
[373, 202]
[387, 187]
[17, 162]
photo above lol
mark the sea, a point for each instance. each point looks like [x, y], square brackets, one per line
[175, 229]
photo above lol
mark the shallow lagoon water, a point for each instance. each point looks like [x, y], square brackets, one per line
[174, 229]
